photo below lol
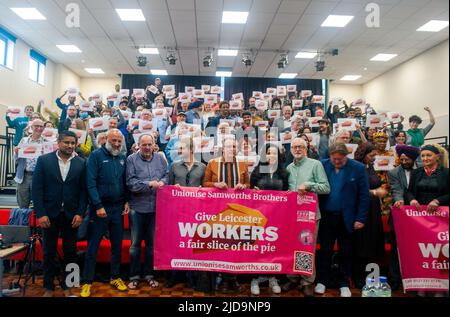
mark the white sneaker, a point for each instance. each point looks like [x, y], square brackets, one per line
[320, 289]
[254, 287]
[273, 284]
[345, 292]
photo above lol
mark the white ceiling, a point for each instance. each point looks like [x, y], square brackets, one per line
[272, 25]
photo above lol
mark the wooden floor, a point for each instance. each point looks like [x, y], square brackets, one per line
[180, 290]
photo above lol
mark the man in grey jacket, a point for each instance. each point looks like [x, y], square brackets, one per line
[399, 181]
[146, 172]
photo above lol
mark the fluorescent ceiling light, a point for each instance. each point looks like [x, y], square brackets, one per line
[227, 52]
[350, 77]
[239, 17]
[383, 57]
[69, 48]
[433, 26]
[223, 74]
[305, 55]
[94, 70]
[149, 51]
[287, 75]
[338, 21]
[29, 13]
[158, 71]
[130, 14]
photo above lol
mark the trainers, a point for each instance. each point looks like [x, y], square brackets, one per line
[273, 284]
[254, 287]
[345, 292]
[118, 284]
[86, 290]
[320, 289]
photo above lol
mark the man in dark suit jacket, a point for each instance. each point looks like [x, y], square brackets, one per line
[60, 201]
[399, 181]
[343, 210]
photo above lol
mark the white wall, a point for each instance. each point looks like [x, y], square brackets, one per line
[348, 92]
[409, 87]
[104, 86]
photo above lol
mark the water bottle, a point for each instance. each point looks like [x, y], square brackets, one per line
[384, 288]
[369, 289]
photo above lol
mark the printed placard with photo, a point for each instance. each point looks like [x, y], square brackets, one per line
[193, 127]
[314, 122]
[230, 122]
[393, 116]
[49, 147]
[73, 92]
[336, 101]
[127, 115]
[257, 94]
[261, 105]
[189, 89]
[112, 96]
[169, 110]
[153, 89]
[305, 93]
[50, 135]
[348, 124]
[124, 92]
[291, 88]
[139, 93]
[30, 151]
[237, 96]
[81, 135]
[86, 106]
[147, 125]
[281, 91]
[266, 97]
[374, 121]
[286, 137]
[133, 123]
[206, 88]
[216, 89]
[359, 102]
[318, 99]
[235, 104]
[97, 97]
[273, 114]
[98, 124]
[297, 103]
[211, 98]
[203, 144]
[351, 149]
[184, 97]
[299, 113]
[159, 113]
[198, 93]
[168, 88]
[383, 163]
[15, 112]
[262, 124]
[313, 138]
[271, 91]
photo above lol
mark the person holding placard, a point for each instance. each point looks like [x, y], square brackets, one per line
[19, 124]
[224, 113]
[86, 147]
[369, 241]
[417, 134]
[324, 138]
[284, 121]
[25, 166]
[306, 175]
[67, 122]
[72, 98]
[312, 151]
[269, 174]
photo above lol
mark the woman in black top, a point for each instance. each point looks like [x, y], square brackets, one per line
[428, 186]
[269, 174]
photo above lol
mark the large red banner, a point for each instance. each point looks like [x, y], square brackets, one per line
[422, 240]
[245, 231]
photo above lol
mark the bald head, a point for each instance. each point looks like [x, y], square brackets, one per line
[114, 140]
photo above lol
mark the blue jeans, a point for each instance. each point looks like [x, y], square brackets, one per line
[96, 230]
[142, 227]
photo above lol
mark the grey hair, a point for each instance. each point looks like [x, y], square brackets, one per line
[150, 135]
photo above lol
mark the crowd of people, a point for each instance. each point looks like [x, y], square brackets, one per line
[151, 139]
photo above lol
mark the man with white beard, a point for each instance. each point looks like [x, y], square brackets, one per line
[108, 197]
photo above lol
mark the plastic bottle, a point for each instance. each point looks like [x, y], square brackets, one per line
[369, 289]
[384, 288]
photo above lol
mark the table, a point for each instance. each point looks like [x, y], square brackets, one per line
[4, 254]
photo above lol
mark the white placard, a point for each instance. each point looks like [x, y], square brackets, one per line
[297, 103]
[305, 93]
[189, 89]
[203, 144]
[81, 135]
[230, 122]
[198, 93]
[49, 147]
[291, 88]
[238, 96]
[134, 122]
[73, 92]
[314, 138]
[146, 125]
[262, 124]
[211, 98]
[153, 89]
[126, 114]
[206, 88]
[271, 91]
[314, 122]
[266, 97]
[216, 89]
[235, 105]
[336, 101]
[168, 88]
[286, 137]
[50, 135]
[30, 151]
[359, 102]
[169, 110]
[319, 113]
[383, 163]
[159, 113]
[86, 106]
[281, 91]
[170, 94]
[318, 99]
[97, 97]
[193, 127]
[257, 94]
[138, 92]
[124, 92]
[15, 112]
[299, 113]
[351, 148]
[184, 97]
[273, 114]
[261, 105]
[374, 121]
[392, 116]
[98, 124]
[348, 124]
[112, 96]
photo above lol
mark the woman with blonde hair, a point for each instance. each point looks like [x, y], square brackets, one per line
[443, 159]
[207, 112]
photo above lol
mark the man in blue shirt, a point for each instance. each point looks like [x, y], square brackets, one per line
[146, 172]
[64, 106]
[343, 210]
[19, 124]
